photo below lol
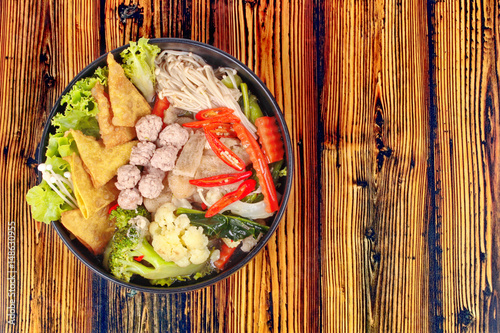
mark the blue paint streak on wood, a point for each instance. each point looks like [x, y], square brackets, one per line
[100, 299]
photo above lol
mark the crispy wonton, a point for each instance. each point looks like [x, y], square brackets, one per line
[94, 232]
[100, 162]
[127, 102]
[89, 198]
[111, 135]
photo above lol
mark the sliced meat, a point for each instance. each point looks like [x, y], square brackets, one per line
[164, 158]
[148, 127]
[128, 177]
[129, 198]
[173, 135]
[190, 157]
[142, 153]
[150, 186]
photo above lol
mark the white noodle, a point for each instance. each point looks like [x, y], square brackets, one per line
[190, 84]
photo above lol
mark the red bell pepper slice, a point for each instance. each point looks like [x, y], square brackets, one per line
[221, 130]
[247, 187]
[211, 113]
[225, 253]
[260, 165]
[221, 180]
[228, 119]
[224, 153]
[161, 104]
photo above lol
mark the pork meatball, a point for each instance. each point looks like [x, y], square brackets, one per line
[150, 186]
[173, 135]
[128, 176]
[129, 198]
[164, 158]
[148, 127]
[142, 153]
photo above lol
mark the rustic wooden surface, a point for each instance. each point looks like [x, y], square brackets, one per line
[393, 108]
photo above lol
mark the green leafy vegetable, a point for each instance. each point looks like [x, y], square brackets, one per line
[46, 205]
[139, 66]
[122, 216]
[81, 107]
[224, 226]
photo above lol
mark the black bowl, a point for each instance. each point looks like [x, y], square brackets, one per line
[215, 58]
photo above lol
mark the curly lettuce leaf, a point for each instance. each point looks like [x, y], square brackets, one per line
[46, 205]
[139, 66]
[81, 107]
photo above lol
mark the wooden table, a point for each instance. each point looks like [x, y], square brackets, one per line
[394, 112]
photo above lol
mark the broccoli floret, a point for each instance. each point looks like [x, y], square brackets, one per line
[122, 216]
[128, 246]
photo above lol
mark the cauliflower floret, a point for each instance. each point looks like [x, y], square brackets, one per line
[174, 239]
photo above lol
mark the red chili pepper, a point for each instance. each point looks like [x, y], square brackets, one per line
[260, 165]
[224, 153]
[221, 180]
[139, 258]
[229, 119]
[161, 104]
[211, 113]
[270, 138]
[247, 187]
[221, 130]
[225, 253]
[203, 206]
[112, 208]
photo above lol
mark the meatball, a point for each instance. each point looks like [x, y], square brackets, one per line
[151, 170]
[128, 177]
[173, 135]
[148, 127]
[141, 153]
[129, 198]
[164, 158]
[150, 186]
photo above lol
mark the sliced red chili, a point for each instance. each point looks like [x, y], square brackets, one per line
[211, 113]
[221, 180]
[112, 208]
[228, 119]
[224, 153]
[260, 165]
[247, 187]
[221, 130]
[139, 258]
[225, 254]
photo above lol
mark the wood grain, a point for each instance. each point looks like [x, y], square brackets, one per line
[374, 257]
[465, 41]
[41, 52]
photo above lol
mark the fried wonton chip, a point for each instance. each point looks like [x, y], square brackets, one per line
[94, 232]
[100, 162]
[127, 102]
[90, 199]
[111, 135]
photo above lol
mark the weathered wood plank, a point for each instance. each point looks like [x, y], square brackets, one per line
[374, 257]
[466, 39]
[43, 45]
